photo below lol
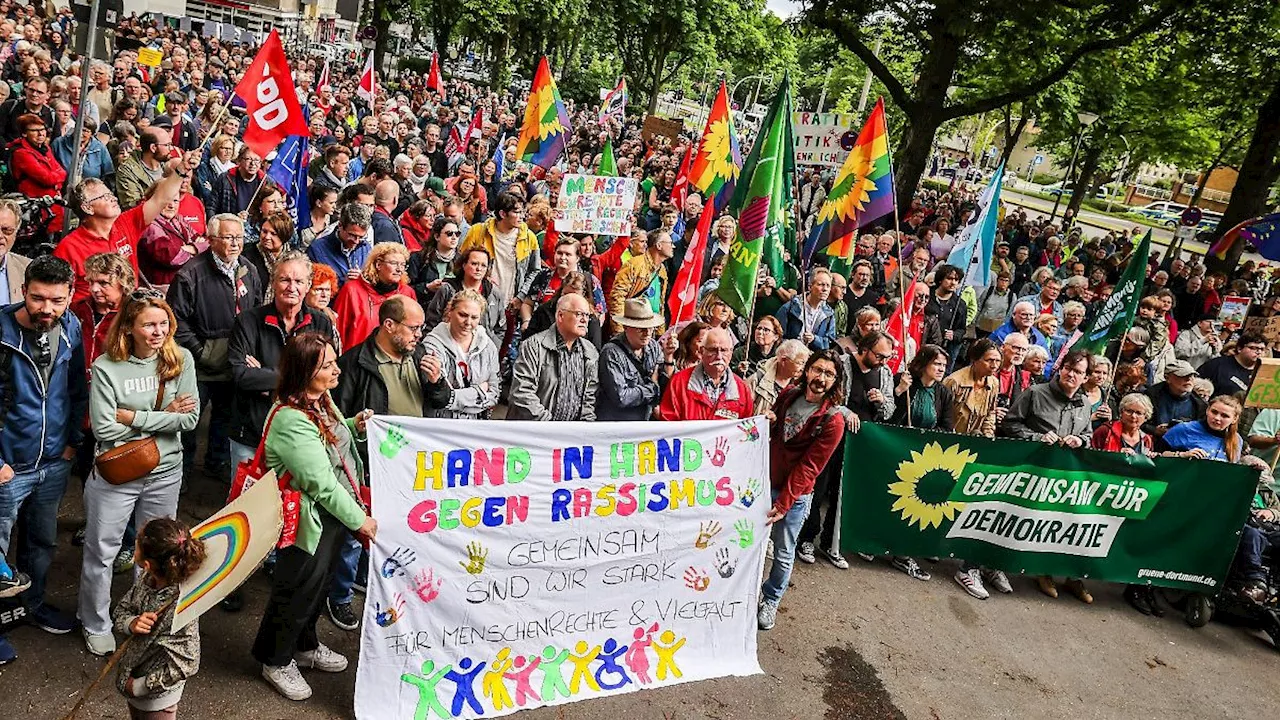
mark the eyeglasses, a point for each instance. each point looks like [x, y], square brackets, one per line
[231, 238]
[393, 264]
[415, 329]
[577, 314]
[107, 195]
[829, 374]
[882, 356]
[452, 233]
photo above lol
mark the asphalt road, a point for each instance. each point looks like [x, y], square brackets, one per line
[862, 644]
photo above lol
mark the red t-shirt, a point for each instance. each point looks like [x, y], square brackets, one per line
[80, 244]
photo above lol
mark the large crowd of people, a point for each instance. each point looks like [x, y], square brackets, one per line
[426, 280]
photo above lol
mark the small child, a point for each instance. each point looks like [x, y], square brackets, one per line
[1150, 310]
[156, 665]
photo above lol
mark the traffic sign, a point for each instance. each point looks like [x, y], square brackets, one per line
[1038, 159]
[1191, 217]
[1186, 232]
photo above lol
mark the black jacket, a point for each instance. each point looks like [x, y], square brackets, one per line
[206, 304]
[260, 333]
[360, 385]
[943, 402]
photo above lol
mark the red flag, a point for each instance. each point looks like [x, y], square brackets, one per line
[680, 189]
[900, 328]
[433, 76]
[684, 292]
[368, 87]
[324, 77]
[474, 131]
[453, 146]
[274, 114]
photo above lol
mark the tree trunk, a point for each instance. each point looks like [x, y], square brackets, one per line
[928, 113]
[1258, 172]
[1011, 140]
[1083, 185]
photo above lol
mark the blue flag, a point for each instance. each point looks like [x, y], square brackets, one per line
[972, 251]
[289, 171]
[499, 159]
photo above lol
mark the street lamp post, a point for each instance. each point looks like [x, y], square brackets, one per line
[1086, 119]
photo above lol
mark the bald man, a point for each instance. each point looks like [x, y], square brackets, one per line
[708, 390]
[386, 195]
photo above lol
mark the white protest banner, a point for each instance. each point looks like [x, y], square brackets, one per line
[523, 564]
[822, 138]
[596, 204]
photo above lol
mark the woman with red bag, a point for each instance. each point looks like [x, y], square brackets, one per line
[308, 439]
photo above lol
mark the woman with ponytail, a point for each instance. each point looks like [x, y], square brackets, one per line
[307, 438]
[143, 386]
[1215, 437]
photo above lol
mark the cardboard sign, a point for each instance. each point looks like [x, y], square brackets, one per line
[822, 138]
[654, 125]
[150, 57]
[596, 204]
[1234, 309]
[1265, 390]
[523, 564]
[1268, 328]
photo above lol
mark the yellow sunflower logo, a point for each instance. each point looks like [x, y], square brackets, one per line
[930, 507]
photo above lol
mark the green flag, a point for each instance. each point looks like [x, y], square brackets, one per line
[607, 165]
[1116, 315]
[762, 202]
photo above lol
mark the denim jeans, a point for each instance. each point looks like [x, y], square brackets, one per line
[1254, 543]
[36, 494]
[351, 560]
[237, 454]
[784, 535]
[221, 394]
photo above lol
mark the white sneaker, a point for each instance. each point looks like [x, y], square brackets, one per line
[323, 658]
[767, 616]
[971, 581]
[100, 645]
[805, 553]
[287, 681]
[998, 580]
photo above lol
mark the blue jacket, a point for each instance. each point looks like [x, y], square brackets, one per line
[791, 316]
[328, 250]
[1034, 336]
[38, 423]
[384, 228]
[97, 161]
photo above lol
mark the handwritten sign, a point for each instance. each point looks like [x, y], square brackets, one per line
[660, 127]
[150, 57]
[520, 565]
[1265, 390]
[596, 204]
[1268, 328]
[822, 138]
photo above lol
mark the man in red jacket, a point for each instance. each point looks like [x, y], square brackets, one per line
[806, 428]
[708, 390]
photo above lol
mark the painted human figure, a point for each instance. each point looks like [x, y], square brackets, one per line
[582, 660]
[553, 685]
[637, 659]
[520, 677]
[426, 684]
[494, 688]
[465, 694]
[609, 666]
[665, 647]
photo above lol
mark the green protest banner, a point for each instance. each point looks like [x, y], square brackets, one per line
[1030, 508]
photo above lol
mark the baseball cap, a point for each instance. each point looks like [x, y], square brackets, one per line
[1180, 368]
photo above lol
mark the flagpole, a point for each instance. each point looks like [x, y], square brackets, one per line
[902, 296]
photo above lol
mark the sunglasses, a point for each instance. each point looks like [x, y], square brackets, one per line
[146, 294]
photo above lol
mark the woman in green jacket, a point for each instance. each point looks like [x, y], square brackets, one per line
[309, 439]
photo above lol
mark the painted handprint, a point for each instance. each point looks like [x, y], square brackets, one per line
[476, 555]
[426, 586]
[398, 563]
[746, 533]
[750, 430]
[717, 456]
[706, 532]
[724, 565]
[696, 579]
[393, 613]
[747, 496]
[393, 443]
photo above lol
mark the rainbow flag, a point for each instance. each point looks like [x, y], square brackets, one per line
[546, 123]
[861, 194]
[1263, 233]
[718, 160]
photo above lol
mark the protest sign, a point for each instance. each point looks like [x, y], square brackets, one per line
[822, 138]
[150, 57]
[1265, 390]
[1042, 509]
[662, 127]
[520, 565]
[1234, 309]
[596, 204]
[1268, 328]
[237, 539]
